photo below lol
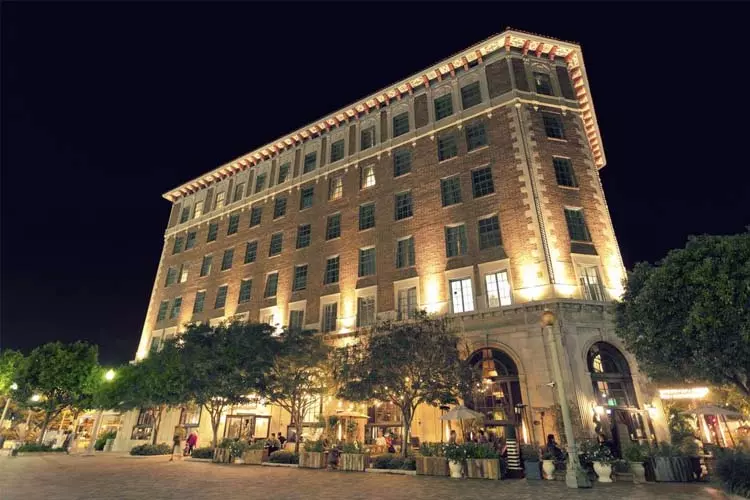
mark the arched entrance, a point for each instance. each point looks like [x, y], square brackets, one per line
[498, 395]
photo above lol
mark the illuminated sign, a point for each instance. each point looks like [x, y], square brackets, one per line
[688, 393]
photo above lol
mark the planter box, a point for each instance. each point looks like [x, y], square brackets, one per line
[532, 470]
[312, 459]
[672, 469]
[623, 477]
[255, 457]
[483, 468]
[353, 461]
[222, 456]
[432, 466]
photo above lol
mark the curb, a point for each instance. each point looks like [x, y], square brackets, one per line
[269, 464]
[392, 471]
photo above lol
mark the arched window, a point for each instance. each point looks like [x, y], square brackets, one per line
[499, 392]
[610, 376]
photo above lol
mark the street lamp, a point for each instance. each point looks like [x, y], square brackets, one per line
[109, 376]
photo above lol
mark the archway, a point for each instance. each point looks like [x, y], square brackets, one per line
[498, 395]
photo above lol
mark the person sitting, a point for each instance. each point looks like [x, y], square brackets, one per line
[282, 440]
[273, 443]
[482, 439]
[333, 457]
[380, 442]
[554, 449]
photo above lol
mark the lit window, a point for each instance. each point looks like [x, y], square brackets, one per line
[366, 216]
[300, 278]
[336, 187]
[206, 265]
[461, 295]
[162, 314]
[332, 271]
[476, 136]
[367, 138]
[213, 231]
[221, 297]
[251, 252]
[365, 311]
[590, 282]
[401, 162]
[404, 207]
[296, 319]
[306, 197]
[226, 260]
[481, 181]
[455, 241]
[183, 273]
[190, 241]
[577, 225]
[407, 303]
[450, 190]
[564, 172]
[333, 226]
[447, 147]
[443, 106]
[219, 199]
[330, 312]
[276, 244]
[401, 124]
[176, 306]
[238, 191]
[405, 253]
[471, 95]
[256, 214]
[279, 208]
[198, 211]
[366, 262]
[489, 232]
[200, 300]
[498, 289]
[543, 83]
[260, 183]
[178, 243]
[245, 290]
[284, 173]
[553, 126]
[368, 176]
[337, 150]
[234, 224]
[310, 161]
[272, 283]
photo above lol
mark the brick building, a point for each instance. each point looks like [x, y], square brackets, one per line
[469, 189]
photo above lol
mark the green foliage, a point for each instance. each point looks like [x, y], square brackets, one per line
[687, 319]
[35, 447]
[620, 466]
[102, 440]
[354, 447]
[226, 443]
[202, 453]
[283, 457]
[733, 470]
[238, 447]
[667, 450]
[409, 463]
[258, 445]
[315, 446]
[679, 426]
[636, 452]
[152, 449]
[601, 454]
[10, 363]
[548, 455]
[392, 461]
[432, 449]
[529, 453]
[455, 452]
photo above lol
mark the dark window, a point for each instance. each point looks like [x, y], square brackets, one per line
[234, 224]
[367, 138]
[245, 289]
[403, 205]
[330, 314]
[306, 198]
[284, 173]
[221, 297]
[296, 319]
[213, 231]
[332, 271]
[401, 162]
[366, 216]
[407, 303]
[401, 124]
[553, 126]
[476, 136]
[190, 241]
[200, 300]
[303, 235]
[563, 172]
[185, 215]
[176, 306]
[455, 241]
[489, 232]
[300, 278]
[471, 95]
[178, 243]
[171, 276]
[481, 181]
[333, 226]
[543, 83]
[276, 244]
[576, 225]
[447, 147]
[365, 311]
[251, 252]
[226, 260]
[366, 262]
[450, 190]
[238, 191]
[162, 314]
[443, 106]
[256, 214]
[260, 183]
[206, 265]
[405, 253]
[272, 283]
[309, 163]
[279, 208]
[337, 150]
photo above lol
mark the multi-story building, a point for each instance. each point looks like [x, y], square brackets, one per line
[469, 189]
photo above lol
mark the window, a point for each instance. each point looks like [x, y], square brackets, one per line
[368, 177]
[335, 187]
[333, 226]
[200, 300]
[337, 150]
[162, 314]
[284, 173]
[176, 306]
[405, 253]
[365, 311]
[300, 278]
[251, 252]
[590, 282]
[190, 241]
[481, 182]
[155, 344]
[238, 191]
[403, 205]
[219, 199]
[309, 163]
[183, 273]
[276, 244]
[447, 147]
[455, 241]
[330, 311]
[171, 276]
[303, 235]
[226, 260]
[489, 232]
[443, 106]
[213, 231]
[401, 162]
[221, 297]
[256, 214]
[332, 271]
[185, 215]
[498, 289]
[367, 138]
[543, 83]
[564, 172]
[296, 319]
[553, 126]
[366, 216]
[245, 289]
[178, 243]
[206, 265]
[450, 190]
[234, 224]
[407, 303]
[366, 262]
[401, 124]
[576, 225]
[471, 95]
[272, 283]
[306, 197]
[198, 210]
[476, 136]
[260, 183]
[279, 208]
[461, 295]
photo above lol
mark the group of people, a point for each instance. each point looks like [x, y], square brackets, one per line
[190, 443]
[275, 443]
[386, 442]
[490, 439]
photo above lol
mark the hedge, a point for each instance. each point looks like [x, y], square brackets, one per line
[202, 453]
[151, 449]
[283, 457]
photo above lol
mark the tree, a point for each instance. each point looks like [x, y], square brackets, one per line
[406, 364]
[297, 377]
[688, 317]
[10, 363]
[224, 365]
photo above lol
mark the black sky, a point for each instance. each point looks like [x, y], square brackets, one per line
[106, 106]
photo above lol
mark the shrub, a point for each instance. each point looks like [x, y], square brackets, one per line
[102, 441]
[33, 448]
[636, 453]
[529, 453]
[733, 470]
[314, 446]
[283, 457]
[478, 451]
[226, 443]
[257, 445]
[152, 449]
[202, 453]
[455, 452]
[238, 447]
[355, 448]
[621, 466]
[667, 450]
[386, 461]
[432, 449]
[410, 463]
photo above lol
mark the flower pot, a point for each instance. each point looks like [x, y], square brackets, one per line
[432, 466]
[483, 468]
[548, 466]
[312, 459]
[639, 472]
[531, 469]
[604, 471]
[255, 457]
[456, 468]
[352, 461]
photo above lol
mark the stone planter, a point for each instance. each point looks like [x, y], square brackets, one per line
[255, 457]
[312, 459]
[639, 472]
[353, 461]
[456, 469]
[108, 444]
[548, 466]
[531, 469]
[222, 456]
[432, 466]
[604, 471]
[483, 468]
[672, 469]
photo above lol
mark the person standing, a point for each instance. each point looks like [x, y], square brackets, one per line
[67, 441]
[179, 436]
[192, 442]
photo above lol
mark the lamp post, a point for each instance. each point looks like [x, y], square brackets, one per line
[575, 477]
[13, 387]
[108, 377]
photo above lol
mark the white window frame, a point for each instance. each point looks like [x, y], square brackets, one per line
[579, 261]
[330, 299]
[405, 284]
[300, 305]
[364, 293]
[463, 273]
[494, 267]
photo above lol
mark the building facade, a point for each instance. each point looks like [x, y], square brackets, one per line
[469, 189]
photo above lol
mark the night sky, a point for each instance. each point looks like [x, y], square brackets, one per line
[107, 106]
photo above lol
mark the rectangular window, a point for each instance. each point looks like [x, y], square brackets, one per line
[234, 224]
[447, 147]
[300, 278]
[455, 241]
[200, 301]
[401, 124]
[176, 306]
[576, 225]
[279, 208]
[206, 265]
[303, 235]
[260, 183]
[553, 126]
[275, 247]
[226, 260]
[476, 136]
[443, 106]
[368, 176]
[335, 187]
[171, 276]
[238, 191]
[401, 162]
[284, 173]
[564, 172]
[256, 214]
[330, 312]
[310, 161]
[219, 199]
[543, 83]
[403, 206]
[306, 197]
[333, 226]
[155, 344]
[405, 253]
[183, 273]
[332, 271]
[213, 231]
[221, 297]
[481, 182]
[190, 241]
[471, 95]
[185, 215]
[245, 290]
[198, 210]
[251, 252]
[367, 138]
[590, 282]
[407, 303]
[366, 216]
[178, 243]
[489, 232]
[498, 289]
[450, 191]
[296, 319]
[162, 314]
[272, 283]
[337, 150]
[365, 311]
[366, 262]
[461, 295]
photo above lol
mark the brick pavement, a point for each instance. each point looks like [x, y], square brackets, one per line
[118, 477]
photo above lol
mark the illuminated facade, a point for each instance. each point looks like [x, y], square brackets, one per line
[469, 189]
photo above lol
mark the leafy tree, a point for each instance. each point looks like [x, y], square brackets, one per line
[10, 362]
[688, 317]
[297, 377]
[406, 364]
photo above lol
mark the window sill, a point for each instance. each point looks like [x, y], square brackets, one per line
[401, 175]
[485, 195]
[480, 148]
[274, 255]
[246, 263]
[453, 204]
[365, 188]
[301, 248]
[333, 239]
[404, 218]
[569, 188]
[555, 139]
[367, 229]
[440, 162]
[279, 217]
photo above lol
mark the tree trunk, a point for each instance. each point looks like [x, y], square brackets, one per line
[157, 424]
[45, 423]
[298, 428]
[215, 420]
[408, 417]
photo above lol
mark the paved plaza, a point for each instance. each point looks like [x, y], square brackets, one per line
[121, 477]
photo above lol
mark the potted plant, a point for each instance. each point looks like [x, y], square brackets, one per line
[237, 449]
[223, 454]
[530, 456]
[602, 459]
[256, 453]
[548, 465]
[313, 456]
[482, 462]
[431, 460]
[636, 454]
[456, 455]
[353, 457]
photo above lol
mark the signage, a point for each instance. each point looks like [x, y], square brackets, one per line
[686, 393]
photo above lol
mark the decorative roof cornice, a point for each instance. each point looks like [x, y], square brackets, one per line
[526, 42]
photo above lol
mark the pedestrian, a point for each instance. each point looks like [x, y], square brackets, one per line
[389, 443]
[333, 458]
[482, 438]
[453, 437]
[191, 443]
[273, 443]
[282, 440]
[67, 441]
[179, 436]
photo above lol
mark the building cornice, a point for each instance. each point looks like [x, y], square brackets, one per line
[509, 39]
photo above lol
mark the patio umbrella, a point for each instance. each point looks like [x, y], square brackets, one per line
[462, 413]
[350, 414]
